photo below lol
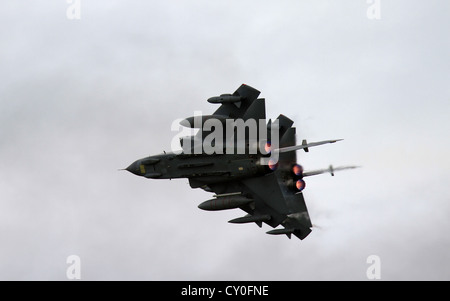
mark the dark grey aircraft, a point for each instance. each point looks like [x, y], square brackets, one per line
[245, 168]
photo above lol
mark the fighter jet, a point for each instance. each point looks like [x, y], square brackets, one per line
[246, 162]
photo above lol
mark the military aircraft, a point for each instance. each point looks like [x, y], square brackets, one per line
[257, 173]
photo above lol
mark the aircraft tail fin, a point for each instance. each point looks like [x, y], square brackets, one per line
[247, 92]
[257, 110]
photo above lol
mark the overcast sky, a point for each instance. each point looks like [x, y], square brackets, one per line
[81, 98]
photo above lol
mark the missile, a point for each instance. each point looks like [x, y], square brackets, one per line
[250, 219]
[330, 169]
[286, 231]
[226, 202]
[225, 98]
[305, 146]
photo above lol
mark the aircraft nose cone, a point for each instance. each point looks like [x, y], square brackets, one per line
[134, 168]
